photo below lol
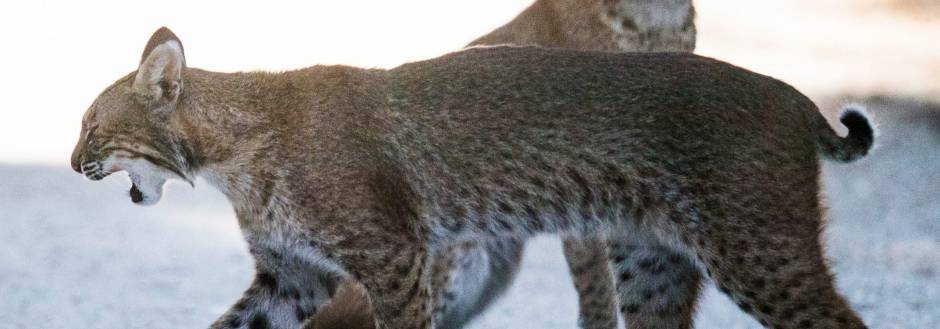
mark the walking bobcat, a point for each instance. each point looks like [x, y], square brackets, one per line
[334, 169]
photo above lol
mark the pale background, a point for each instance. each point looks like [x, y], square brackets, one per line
[57, 56]
[77, 254]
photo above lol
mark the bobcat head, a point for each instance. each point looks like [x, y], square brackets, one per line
[129, 127]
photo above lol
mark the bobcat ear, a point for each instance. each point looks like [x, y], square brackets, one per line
[159, 77]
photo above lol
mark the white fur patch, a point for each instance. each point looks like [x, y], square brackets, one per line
[147, 177]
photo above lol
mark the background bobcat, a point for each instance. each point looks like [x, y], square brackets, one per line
[371, 170]
[625, 25]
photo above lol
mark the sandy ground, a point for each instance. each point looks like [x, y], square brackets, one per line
[78, 254]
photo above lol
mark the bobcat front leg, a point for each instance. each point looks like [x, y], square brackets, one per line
[281, 295]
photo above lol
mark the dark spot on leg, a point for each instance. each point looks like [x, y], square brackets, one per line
[266, 280]
[291, 294]
[646, 263]
[625, 276]
[745, 306]
[258, 321]
[402, 269]
[300, 313]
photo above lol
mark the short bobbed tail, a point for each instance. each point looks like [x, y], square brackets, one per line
[853, 146]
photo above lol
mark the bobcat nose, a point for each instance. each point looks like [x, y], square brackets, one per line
[76, 157]
[76, 166]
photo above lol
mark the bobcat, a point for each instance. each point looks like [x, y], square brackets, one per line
[619, 25]
[335, 169]
[602, 25]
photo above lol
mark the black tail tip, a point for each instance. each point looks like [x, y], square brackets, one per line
[861, 132]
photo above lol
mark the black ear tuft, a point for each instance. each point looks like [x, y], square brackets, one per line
[161, 36]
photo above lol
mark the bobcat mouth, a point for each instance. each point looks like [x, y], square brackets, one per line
[147, 179]
[146, 187]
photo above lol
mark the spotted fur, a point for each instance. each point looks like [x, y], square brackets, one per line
[624, 25]
[464, 278]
